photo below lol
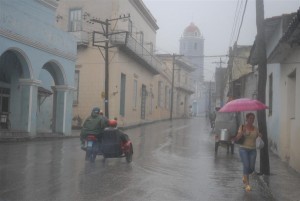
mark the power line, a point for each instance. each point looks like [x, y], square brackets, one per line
[220, 62]
[235, 21]
[210, 56]
[242, 20]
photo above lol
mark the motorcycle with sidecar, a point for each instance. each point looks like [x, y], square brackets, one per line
[110, 145]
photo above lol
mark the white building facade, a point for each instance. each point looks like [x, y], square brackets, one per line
[283, 87]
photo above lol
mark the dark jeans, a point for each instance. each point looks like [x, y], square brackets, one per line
[248, 157]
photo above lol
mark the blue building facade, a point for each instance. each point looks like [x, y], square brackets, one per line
[37, 62]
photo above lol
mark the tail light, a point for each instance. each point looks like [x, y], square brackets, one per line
[125, 146]
[92, 138]
[217, 138]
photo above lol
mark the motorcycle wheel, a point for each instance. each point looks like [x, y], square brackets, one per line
[129, 154]
[93, 153]
[87, 155]
[93, 157]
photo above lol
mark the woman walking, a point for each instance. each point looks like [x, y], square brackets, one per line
[248, 148]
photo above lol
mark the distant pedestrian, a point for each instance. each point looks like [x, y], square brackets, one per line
[212, 118]
[248, 148]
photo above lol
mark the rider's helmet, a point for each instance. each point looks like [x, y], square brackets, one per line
[112, 123]
[95, 111]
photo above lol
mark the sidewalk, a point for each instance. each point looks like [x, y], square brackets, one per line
[283, 183]
[18, 136]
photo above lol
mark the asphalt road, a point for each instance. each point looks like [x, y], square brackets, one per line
[172, 160]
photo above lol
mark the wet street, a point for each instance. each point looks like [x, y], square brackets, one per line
[172, 160]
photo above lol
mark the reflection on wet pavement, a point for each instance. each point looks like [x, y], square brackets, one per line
[173, 160]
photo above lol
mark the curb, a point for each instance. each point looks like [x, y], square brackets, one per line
[26, 139]
[17, 137]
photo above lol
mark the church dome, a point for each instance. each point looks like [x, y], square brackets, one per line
[192, 30]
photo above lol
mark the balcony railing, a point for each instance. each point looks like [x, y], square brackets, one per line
[167, 73]
[82, 38]
[186, 87]
[127, 43]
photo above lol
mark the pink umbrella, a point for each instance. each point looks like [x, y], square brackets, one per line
[243, 104]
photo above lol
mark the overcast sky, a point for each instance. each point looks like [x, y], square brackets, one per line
[216, 21]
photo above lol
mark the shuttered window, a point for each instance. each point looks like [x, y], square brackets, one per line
[75, 20]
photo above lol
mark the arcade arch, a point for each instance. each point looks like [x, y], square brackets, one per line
[22, 94]
[14, 65]
[51, 75]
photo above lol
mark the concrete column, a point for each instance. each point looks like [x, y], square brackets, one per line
[28, 90]
[62, 109]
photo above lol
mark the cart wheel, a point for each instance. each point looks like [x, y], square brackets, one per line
[228, 146]
[216, 146]
[129, 154]
[232, 148]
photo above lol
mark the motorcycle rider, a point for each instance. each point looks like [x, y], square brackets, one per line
[94, 124]
[112, 126]
[105, 118]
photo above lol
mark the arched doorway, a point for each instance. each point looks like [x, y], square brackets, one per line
[45, 103]
[13, 66]
[49, 101]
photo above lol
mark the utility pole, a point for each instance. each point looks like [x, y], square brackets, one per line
[172, 87]
[220, 62]
[106, 96]
[105, 27]
[221, 90]
[209, 96]
[262, 77]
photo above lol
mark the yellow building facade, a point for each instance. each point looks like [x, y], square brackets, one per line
[116, 68]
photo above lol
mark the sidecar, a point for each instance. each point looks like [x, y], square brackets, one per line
[115, 146]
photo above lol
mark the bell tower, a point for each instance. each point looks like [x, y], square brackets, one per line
[192, 47]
